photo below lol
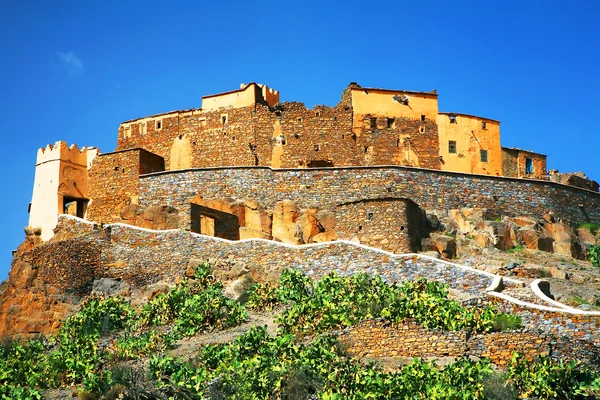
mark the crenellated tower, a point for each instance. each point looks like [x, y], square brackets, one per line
[60, 185]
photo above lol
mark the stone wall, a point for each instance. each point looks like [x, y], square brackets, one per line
[431, 190]
[397, 141]
[381, 339]
[114, 181]
[388, 223]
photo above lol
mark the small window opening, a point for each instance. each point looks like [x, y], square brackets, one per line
[283, 142]
[373, 122]
[335, 118]
[452, 119]
[233, 138]
[484, 155]
[452, 146]
[317, 114]
[343, 136]
[397, 142]
[422, 129]
[483, 125]
[159, 124]
[366, 149]
[360, 227]
[202, 122]
[370, 216]
[223, 119]
[391, 123]
[116, 168]
[143, 129]
[297, 136]
[528, 166]
[422, 118]
[299, 120]
[317, 147]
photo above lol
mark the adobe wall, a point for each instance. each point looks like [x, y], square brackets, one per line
[514, 162]
[396, 141]
[431, 190]
[289, 135]
[470, 136]
[382, 339]
[114, 182]
[301, 135]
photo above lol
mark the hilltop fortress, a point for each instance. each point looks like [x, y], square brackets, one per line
[256, 185]
[246, 165]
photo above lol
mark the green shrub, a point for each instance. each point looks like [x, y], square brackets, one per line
[594, 255]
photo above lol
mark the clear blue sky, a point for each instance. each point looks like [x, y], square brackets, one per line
[73, 70]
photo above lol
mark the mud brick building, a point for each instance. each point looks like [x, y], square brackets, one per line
[247, 165]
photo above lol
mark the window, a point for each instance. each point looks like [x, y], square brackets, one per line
[528, 166]
[422, 118]
[373, 122]
[452, 147]
[452, 119]
[483, 125]
[397, 142]
[202, 122]
[391, 123]
[224, 119]
[317, 147]
[143, 128]
[299, 120]
[483, 155]
[317, 114]
[158, 124]
[422, 129]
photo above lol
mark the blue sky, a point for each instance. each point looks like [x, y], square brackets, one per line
[73, 70]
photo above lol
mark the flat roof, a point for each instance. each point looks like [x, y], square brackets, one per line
[162, 115]
[434, 94]
[232, 91]
[468, 115]
[527, 151]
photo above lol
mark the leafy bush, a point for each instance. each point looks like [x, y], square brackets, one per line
[335, 302]
[547, 379]
[594, 255]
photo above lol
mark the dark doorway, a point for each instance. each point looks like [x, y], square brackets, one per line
[319, 163]
[211, 222]
[74, 206]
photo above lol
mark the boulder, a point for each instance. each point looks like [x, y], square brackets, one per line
[445, 245]
[467, 219]
[482, 240]
[533, 240]
[502, 234]
[522, 221]
[238, 289]
[434, 222]
[160, 217]
[285, 226]
[109, 287]
[130, 212]
[586, 237]
[256, 218]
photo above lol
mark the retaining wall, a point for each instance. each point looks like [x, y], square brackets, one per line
[327, 187]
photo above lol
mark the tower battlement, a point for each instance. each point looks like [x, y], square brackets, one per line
[61, 151]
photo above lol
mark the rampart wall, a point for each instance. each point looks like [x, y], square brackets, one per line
[328, 187]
